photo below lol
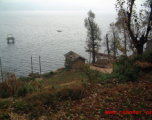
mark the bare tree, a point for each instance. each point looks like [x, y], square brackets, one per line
[93, 35]
[122, 27]
[138, 25]
[89, 50]
[114, 39]
[107, 44]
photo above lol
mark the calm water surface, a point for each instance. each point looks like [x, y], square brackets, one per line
[36, 35]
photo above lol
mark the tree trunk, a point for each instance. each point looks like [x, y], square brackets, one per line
[114, 44]
[93, 54]
[90, 58]
[143, 39]
[92, 38]
[125, 39]
[140, 49]
[107, 44]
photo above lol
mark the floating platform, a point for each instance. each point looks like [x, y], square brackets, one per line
[10, 37]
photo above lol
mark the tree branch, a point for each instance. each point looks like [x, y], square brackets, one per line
[129, 20]
[149, 24]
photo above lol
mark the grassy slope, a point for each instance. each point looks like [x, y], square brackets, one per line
[110, 97]
[94, 99]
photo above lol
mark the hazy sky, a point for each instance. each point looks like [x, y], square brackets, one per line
[94, 5]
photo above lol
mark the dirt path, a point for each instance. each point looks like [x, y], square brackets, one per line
[69, 83]
[103, 70]
[64, 84]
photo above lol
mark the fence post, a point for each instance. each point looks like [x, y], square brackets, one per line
[31, 65]
[40, 64]
[1, 69]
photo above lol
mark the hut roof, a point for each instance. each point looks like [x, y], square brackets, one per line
[73, 56]
[102, 54]
[105, 55]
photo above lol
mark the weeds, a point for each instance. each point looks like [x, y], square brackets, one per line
[142, 105]
[5, 116]
[4, 104]
[91, 74]
[22, 91]
[102, 110]
[46, 75]
[19, 106]
[34, 75]
[73, 93]
[110, 98]
[126, 104]
[125, 70]
[68, 64]
[103, 102]
[103, 82]
[27, 79]
[117, 95]
[4, 94]
[52, 73]
[147, 56]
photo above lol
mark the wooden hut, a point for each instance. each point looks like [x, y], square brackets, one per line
[73, 59]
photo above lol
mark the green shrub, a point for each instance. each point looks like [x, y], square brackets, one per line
[138, 57]
[74, 93]
[40, 100]
[5, 116]
[104, 76]
[60, 72]
[55, 73]
[46, 75]
[22, 91]
[15, 95]
[51, 73]
[142, 105]
[4, 104]
[124, 70]
[147, 56]
[92, 75]
[49, 100]
[68, 65]
[24, 79]
[4, 94]
[33, 74]
[19, 106]
[30, 89]
[34, 115]
[82, 74]
[32, 78]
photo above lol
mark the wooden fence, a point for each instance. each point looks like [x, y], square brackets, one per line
[1, 70]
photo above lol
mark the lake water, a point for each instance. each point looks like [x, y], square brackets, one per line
[36, 35]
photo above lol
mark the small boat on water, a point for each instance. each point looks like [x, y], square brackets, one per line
[59, 31]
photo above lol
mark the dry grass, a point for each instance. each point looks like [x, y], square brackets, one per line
[103, 70]
[64, 77]
[67, 95]
[128, 96]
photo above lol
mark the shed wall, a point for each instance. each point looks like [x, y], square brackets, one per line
[78, 62]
